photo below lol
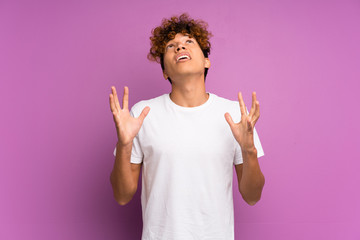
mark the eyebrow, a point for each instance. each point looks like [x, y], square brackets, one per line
[169, 42]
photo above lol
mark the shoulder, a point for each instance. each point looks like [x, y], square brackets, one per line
[152, 103]
[227, 103]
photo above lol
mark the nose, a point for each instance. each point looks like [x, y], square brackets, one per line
[179, 47]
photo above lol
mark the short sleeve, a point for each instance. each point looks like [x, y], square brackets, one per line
[136, 152]
[238, 159]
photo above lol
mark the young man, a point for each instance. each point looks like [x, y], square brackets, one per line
[187, 144]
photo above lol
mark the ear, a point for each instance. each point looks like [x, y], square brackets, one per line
[207, 63]
[165, 75]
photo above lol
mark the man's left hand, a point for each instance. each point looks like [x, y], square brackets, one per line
[243, 130]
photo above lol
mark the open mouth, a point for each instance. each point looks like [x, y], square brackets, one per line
[183, 58]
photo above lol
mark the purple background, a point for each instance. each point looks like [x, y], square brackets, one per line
[58, 60]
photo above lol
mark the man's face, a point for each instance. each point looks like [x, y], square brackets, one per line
[183, 57]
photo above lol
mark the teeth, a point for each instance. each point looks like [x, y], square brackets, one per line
[183, 57]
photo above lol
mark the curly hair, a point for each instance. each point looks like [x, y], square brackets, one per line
[162, 34]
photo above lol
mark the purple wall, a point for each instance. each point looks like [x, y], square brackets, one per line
[58, 60]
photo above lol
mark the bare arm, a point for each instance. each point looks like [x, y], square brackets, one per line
[250, 178]
[124, 176]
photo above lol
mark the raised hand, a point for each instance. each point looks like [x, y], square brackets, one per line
[243, 130]
[127, 127]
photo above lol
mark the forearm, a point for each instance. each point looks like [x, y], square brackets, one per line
[252, 180]
[121, 176]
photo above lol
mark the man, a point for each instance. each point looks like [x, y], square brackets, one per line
[187, 144]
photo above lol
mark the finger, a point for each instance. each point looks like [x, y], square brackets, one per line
[117, 104]
[242, 105]
[112, 104]
[253, 105]
[143, 113]
[229, 120]
[256, 115]
[257, 112]
[126, 98]
[249, 124]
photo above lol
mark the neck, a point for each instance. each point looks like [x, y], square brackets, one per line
[189, 92]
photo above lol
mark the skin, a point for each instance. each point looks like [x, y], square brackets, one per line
[127, 127]
[188, 90]
[125, 175]
[188, 87]
[250, 178]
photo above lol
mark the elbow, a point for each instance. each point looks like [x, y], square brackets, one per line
[121, 197]
[252, 197]
[252, 202]
[123, 200]
[122, 203]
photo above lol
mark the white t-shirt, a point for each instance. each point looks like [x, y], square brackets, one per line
[188, 156]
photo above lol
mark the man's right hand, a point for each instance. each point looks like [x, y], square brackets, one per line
[127, 127]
